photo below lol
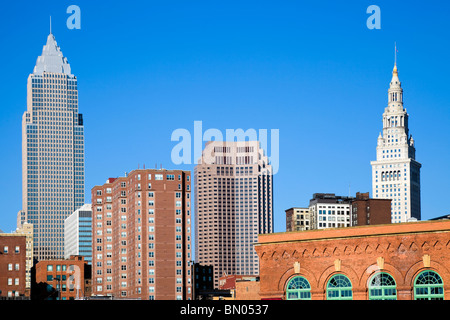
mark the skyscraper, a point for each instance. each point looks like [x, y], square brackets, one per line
[52, 151]
[233, 204]
[396, 173]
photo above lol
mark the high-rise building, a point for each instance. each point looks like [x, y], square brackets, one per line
[78, 233]
[142, 236]
[233, 204]
[396, 173]
[52, 151]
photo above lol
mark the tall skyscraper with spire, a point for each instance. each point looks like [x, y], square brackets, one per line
[52, 151]
[396, 173]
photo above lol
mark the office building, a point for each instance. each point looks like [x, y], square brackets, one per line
[330, 211]
[78, 234]
[396, 173]
[233, 204]
[52, 151]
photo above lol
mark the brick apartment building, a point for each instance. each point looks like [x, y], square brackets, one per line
[12, 265]
[141, 226]
[67, 278]
[403, 261]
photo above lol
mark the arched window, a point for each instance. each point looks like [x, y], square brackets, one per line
[382, 287]
[298, 288]
[428, 286]
[339, 287]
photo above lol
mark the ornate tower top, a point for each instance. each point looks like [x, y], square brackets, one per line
[52, 59]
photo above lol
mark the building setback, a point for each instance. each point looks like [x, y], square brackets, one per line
[142, 236]
[233, 204]
[52, 151]
[393, 261]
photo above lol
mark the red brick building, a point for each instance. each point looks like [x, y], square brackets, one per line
[141, 226]
[67, 278]
[242, 287]
[12, 265]
[394, 261]
[367, 211]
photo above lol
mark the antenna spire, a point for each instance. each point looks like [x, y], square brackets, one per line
[395, 53]
[50, 24]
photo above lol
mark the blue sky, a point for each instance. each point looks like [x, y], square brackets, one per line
[313, 70]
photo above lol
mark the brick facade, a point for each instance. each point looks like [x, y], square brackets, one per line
[141, 226]
[66, 277]
[12, 265]
[366, 211]
[400, 250]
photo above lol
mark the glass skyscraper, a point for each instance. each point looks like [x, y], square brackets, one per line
[52, 151]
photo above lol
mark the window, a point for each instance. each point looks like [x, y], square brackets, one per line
[382, 287]
[339, 288]
[428, 286]
[298, 288]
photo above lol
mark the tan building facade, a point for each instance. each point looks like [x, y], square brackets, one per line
[233, 204]
[141, 226]
[298, 219]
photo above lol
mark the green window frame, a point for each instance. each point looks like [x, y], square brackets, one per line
[428, 286]
[382, 286]
[298, 288]
[339, 287]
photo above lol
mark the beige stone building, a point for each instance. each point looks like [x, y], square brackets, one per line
[233, 204]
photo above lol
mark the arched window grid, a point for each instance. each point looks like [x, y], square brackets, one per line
[298, 288]
[382, 286]
[428, 285]
[339, 287]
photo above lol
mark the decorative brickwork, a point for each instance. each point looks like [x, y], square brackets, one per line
[401, 250]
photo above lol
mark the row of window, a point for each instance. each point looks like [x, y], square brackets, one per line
[6, 249]
[428, 285]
